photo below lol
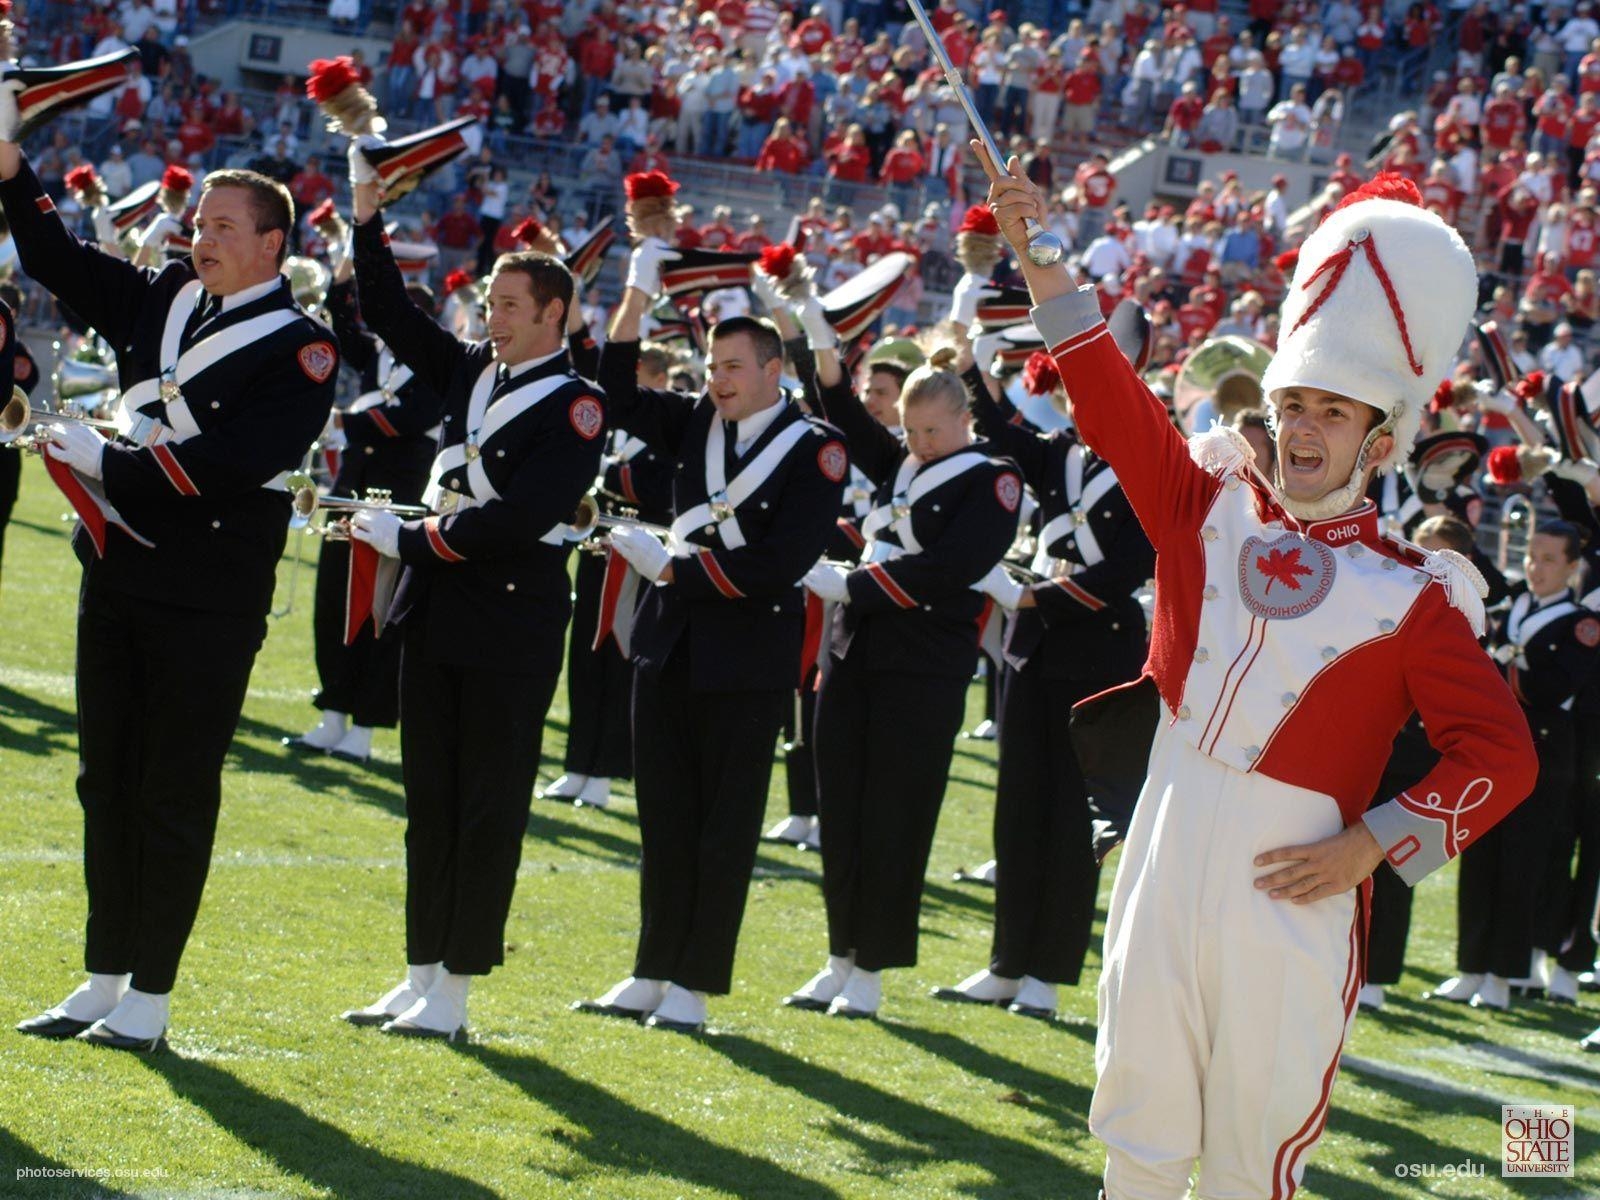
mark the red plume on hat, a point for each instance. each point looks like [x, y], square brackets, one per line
[81, 178]
[1529, 388]
[5, 10]
[786, 266]
[1287, 261]
[642, 185]
[322, 214]
[1388, 185]
[330, 76]
[1444, 396]
[776, 261]
[177, 179]
[457, 280]
[1040, 375]
[527, 232]
[979, 219]
[1504, 466]
[336, 88]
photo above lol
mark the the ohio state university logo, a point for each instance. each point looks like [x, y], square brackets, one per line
[318, 360]
[1285, 578]
[1008, 490]
[587, 418]
[832, 461]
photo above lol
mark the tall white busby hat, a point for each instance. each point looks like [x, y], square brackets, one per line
[1379, 304]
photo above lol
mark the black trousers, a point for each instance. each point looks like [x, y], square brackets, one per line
[1046, 876]
[884, 743]
[1389, 924]
[1580, 953]
[363, 678]
[1554, 889]
[1497, 893]
[10, 478]
[160, 689]
[704, 760]
[800, 750]
[470, 741]
[599, 687]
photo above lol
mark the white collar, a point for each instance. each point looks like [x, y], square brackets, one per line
[250, 293]
[753, 426]
[530, 364]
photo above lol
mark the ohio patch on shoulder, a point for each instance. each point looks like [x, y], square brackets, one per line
[833, 461]
[318, 360]
[1587, 631]
[1008, 490]
[587, 417]
[5, 333]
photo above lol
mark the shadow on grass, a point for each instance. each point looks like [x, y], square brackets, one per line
[300, 1144]
[58, 732]
[1066, 1102]
[620, 1137]
[17, 1158]
[922, 1136]
[317, 774]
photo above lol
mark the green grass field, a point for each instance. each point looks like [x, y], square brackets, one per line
[266, 1093]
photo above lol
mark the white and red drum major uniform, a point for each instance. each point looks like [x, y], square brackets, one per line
[1287, 654]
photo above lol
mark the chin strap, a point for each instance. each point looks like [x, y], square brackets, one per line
[1341, 499]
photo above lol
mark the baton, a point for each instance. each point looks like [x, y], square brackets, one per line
[1044, 248]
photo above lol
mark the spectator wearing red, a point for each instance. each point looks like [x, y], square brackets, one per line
[849, 160]
[959, 41]
[754, 239]
[1582, 247]
[1184, 115]
[1439, 191]
[1342, 173]
[1548, 284]
[1080, 91]
[873, 241]
[457, 233]
[650, 158]
[310, 186]
[1097, 189]
[1348, 73]
[1211, 292]
[947, 14]
[783, 151]
[1517, 208]
[1503, 120]
[812, 34]
[1195, 316]
[1552, 112]
[718, 233]
[1579, 129]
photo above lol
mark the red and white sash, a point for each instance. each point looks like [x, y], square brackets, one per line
[911, 482]
[721, 491]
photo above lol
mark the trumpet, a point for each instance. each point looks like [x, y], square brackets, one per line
[306, 504]
[18, 422]
[587, 520]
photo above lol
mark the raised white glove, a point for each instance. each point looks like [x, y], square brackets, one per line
[814, 321]
[1503, 654]
[828, 582]
[766, 290]
[362, 171]
[645, 554]
[1583, 471]
[986, 349]
[10, 116]
[1006, 591]
[1495, 400]
[964, 300]
[644, 267]
[79, 446]
[378, 528]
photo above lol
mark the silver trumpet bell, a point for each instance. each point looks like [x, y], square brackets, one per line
[75, 380]
[305, 504]
[19, 422]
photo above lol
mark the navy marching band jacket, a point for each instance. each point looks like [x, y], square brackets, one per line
[255, 386]
[487, 573]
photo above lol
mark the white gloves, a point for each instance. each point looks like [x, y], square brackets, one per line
[828, 582]
[1509, 653]
[964, 300]
[1582, 471]
[1495, 400]
[986, 349]
[1006, 591]
[814, 321]
[766, 290]
[644, 268]
[378, 528]
[79, 446]
[361, 171]
[644, 553]
[10, 116]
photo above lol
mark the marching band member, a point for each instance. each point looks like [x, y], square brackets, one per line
[1075, 634]
[388, 434]
[482, 605]
[636, 477]
[1291, 642]
[1548, 645]
[23, 373]
[167, 238]
[905, 647]
[89, 190]
[226, 383]
[717, 639]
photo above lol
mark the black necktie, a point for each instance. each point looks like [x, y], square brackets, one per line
[205, 308]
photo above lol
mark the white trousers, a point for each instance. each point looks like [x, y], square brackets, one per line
[1222, 1011]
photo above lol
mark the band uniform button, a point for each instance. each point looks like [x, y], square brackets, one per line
[1386, 626]
[1289, 699]
[1233, 483]
[1211, 591]
[216, 524]
[1115, 627]
[1357, 550]
[1183, 712]
[1201, 654]
[511, 587]
[1252, 752]
[455, 485]
[1209, 533]
[216, 404]
[1389, 564]
[1329, 654]
[499, 453]
[777, 608]
[369, 450]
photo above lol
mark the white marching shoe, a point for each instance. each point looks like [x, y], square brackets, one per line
[323, 736]
[137, 1023]
[1370, 997]
[1494, 993]
[633, 998]
[819, 991]
[982, 873]
[91, 1000]
[680, 1011]
[793, 829]
[981, 987]
[860, 997]
[813, 839]
[568, 787]
[595, 793]
[1458, 989]
[355, 746]
[1035, 998]
[1561, 985]
[419, 978]
[442, 1013]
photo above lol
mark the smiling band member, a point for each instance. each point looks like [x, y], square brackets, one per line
[482, 605]
[225, 384]
[717, 640]
[1290, 643]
